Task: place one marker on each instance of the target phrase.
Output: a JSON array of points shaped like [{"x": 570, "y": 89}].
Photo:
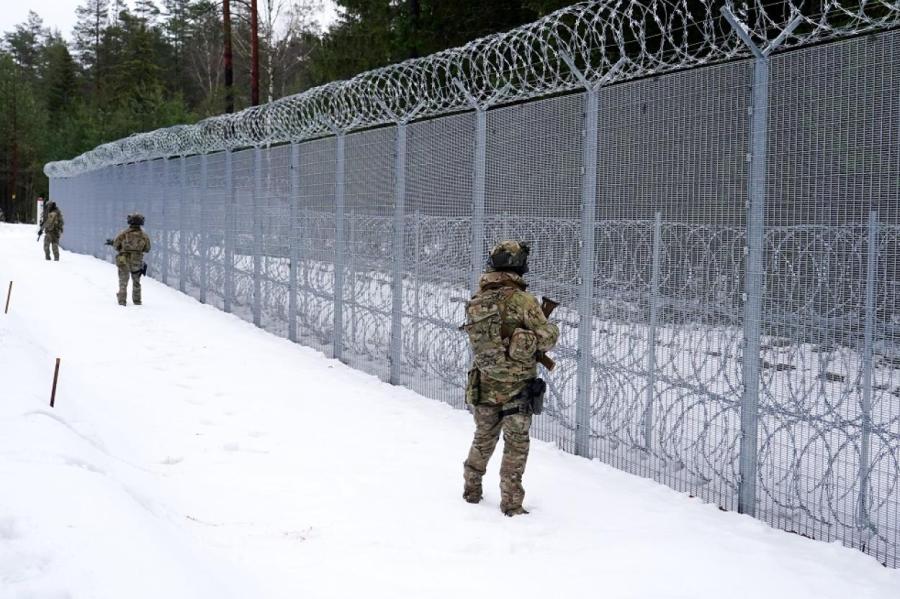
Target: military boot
[
  {"x": 472, "y": 489},
  {"x": 472, "y": 493},
  {"x": 120, "y": 297},
  {"x": 511, "y": 497}
]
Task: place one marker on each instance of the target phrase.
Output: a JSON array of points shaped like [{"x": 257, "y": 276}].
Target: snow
[{"x": 191, "y": 455}]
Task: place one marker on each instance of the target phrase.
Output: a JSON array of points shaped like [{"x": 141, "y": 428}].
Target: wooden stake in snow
[
  {"x": 55, "y": 378},
  {"x": 8, "y": 294}
]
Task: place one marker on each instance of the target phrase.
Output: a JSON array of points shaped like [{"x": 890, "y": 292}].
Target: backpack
[
  {"x": 133, "y": 242},
  {"x": 484, "y": 326}
]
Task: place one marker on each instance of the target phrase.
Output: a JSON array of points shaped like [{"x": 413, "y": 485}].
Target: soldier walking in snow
[
  {"x": 506, "y": 329},
  {"x": 52, "y": 228},
  {"x": 131, "y": 244}
]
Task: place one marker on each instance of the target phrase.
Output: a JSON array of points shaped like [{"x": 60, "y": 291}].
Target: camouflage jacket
[
  {"x": 524, "y": 330},
  {"x": 53, "y": 224},
  {"x": 131, "y": 243}
]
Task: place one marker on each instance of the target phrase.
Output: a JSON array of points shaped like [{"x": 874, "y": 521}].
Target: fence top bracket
[
  {"x": 401, "y": 120},
  {"x": 475, "y": 104},
  {"x": 591, "y": 87},
  {"x": 743, "y": 32}
]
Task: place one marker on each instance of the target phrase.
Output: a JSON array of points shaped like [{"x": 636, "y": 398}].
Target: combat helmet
[
  {"x": 510, "y": 255},
  {"x": 51, "y": 206},
  {"x": 136, "y": 219}
]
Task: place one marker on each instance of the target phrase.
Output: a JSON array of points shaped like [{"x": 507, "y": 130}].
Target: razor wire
[{"x": 608, "y": 40}]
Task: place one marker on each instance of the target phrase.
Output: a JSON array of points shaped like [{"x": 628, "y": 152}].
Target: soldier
[
  {"x": 52, "y": 227},
  {"x": 131, "y": 244},
  {"x": 506, "y": 329}
]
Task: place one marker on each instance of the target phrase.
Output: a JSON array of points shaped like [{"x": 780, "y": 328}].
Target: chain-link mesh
[{"x": 722, "y": 239}]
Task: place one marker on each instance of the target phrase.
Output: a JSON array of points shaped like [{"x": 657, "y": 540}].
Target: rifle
[
  {"x": 40, "y": 229},
  {"x": 547, "y": 307}
]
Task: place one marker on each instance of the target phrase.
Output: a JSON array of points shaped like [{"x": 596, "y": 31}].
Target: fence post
[
  {"x": 257, "y": 235},
  {"x": 416, "y": 274},
  {"x": 97, "y": 227},
  {"x": 303, "y": 309},
  {"x": 397, "y": 267},
  {"x": 479, "y": 166},
  {"x": 863, "y": 520},
  {"x": 478, "y": 184},
  {"x": 204, "y": 228},
  {"x": 754, "y": 275},
  {"x": 587, "y": 258},
  {"x": 339, "y": 249},
  {"x": 165, "y": 185},
  {"x": 184, "y": 238},
  {"x": 294, "y": 242},
  {"x": 228, "y": 266},
  {"x": 350, "y": 302},
  {"x": 586, "y": 276},
  {"x": 651, "y": 337}
]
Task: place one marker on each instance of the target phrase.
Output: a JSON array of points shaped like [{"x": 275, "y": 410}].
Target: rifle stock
[{"x": 547, "y": 307}]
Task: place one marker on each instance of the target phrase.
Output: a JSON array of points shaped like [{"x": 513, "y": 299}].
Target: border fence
[{"x": 712, "y": 193}]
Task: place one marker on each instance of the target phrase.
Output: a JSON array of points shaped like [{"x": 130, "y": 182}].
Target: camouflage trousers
[
  {"x": 488, "y": 425},
  {"x": 51, "y": 241},
  {"x": 124, "y": 272}
]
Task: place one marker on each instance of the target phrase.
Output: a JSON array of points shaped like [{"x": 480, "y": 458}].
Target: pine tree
[
  {"x": 60, "y": 78},
  {"x": 177, "y": 29},
  {"x": 92, "y": 21},
  {"x": 25, "y": 44}
]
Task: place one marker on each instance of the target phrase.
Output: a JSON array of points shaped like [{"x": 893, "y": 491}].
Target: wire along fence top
[{"x": 591, "y": 42}]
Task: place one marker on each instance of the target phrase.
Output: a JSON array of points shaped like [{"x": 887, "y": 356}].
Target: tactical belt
[{"x": 517, "y": 409}]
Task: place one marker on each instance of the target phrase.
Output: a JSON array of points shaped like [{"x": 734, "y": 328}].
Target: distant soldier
[
  {"x": 506, "y": 329},
  {"x": 52, "y": 228},
  {"x": 131, "y": 244}
]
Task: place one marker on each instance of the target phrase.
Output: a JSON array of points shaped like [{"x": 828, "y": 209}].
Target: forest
[{"x": 135, "y": 66}]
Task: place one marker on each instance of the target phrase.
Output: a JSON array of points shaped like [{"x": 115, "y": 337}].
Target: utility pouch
[
  {"x": 121, "y": 260},
  {"x": 522, "y": 345},
  {"x": 536, "y": 389},
  {"x": 473, "y": 387}
]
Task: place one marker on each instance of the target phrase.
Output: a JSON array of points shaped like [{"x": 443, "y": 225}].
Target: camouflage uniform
[
  {"x": 524, "y": 330},
  {"x": 53, "y": 228},
  {"x": 131, "y": 244}
]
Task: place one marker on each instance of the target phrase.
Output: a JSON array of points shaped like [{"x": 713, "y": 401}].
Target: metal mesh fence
[{"x": 722, "y": 240}]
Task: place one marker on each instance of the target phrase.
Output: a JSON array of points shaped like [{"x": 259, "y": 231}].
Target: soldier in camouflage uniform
[
  {"x": 52, "y": 227},
  {"x": 131, "y": 244},
  {"x": 506, "y": 328}
]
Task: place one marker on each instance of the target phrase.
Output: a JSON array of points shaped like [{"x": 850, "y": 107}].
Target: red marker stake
[{"x": 55, "y": 377}]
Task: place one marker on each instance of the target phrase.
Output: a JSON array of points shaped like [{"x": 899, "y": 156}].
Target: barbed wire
[{"x": 616, "y": 39}]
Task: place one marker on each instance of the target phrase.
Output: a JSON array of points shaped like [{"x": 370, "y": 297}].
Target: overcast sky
[{"x": 60, "y": 14}]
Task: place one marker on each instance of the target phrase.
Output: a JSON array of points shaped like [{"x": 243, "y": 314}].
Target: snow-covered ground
[{"x": 191, "y": 455}]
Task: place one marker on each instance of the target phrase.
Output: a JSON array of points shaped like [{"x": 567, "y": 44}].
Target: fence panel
[
  {"x": 828, "y": 442},
  {"x": 438, "y": 254}
]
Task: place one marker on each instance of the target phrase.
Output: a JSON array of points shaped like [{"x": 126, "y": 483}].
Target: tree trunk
[
  {"x": 229, "y": 63},
  {"x": 254, "y": 54}
]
